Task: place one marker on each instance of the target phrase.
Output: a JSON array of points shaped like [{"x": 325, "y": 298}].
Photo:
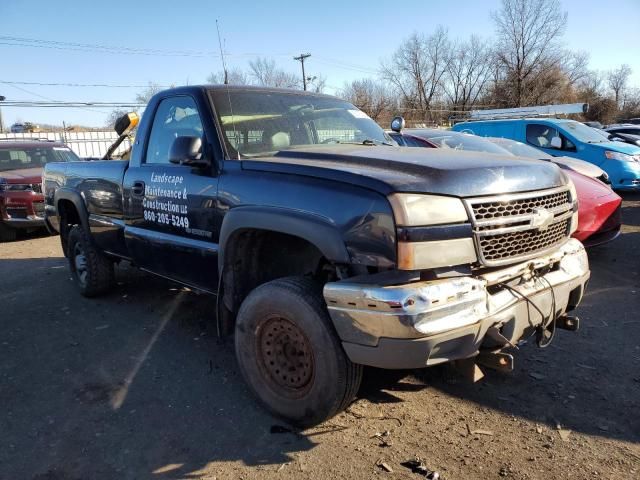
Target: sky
[{"x": 347, "y": 40}]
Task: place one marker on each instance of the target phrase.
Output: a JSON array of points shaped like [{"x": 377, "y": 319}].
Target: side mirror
[
  {"x": 126, "y": 123},
  {"x": 187, "y": 151},
  {"x": 397, "y": 124},
  {"x": 556, "y": 142}
]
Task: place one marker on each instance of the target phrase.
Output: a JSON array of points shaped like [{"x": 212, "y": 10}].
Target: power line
[
  {"x": 346, "y": 65},
  {"x": 114, "y": 49},
  {"x": 46, "y": 98},
  {"x": 54, "y": 84},
  {"x": 53, "y": 104}
]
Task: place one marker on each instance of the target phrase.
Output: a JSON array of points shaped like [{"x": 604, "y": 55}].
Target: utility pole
[
  {"x": 1, "y": 123},
  {"x": 301, "y": 59}
]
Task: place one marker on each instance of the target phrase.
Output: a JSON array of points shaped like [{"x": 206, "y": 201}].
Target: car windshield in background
[
  {"x": 261, "y": 123},
  {"x": 583, "y": 133},
  {"x": 460, "y": 141},
  {"x": 33, "y": 157},
  {"x": 520, "y": 149}
]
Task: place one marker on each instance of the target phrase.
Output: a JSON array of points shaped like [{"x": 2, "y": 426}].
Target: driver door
[{"x": 171, "y": 225}]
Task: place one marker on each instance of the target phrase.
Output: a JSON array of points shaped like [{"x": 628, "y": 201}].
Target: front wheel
[
  {"x": 290, "y": 355},
  {"x": 91, "y": 270}
]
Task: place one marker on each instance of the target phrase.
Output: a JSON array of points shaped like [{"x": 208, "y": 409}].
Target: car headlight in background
[
  {"x": 623, "y": 157},
  {"x": 415, "y": 210}
]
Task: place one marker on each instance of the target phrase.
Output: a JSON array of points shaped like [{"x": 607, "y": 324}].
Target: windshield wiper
[{"x": 368, "y": 141}]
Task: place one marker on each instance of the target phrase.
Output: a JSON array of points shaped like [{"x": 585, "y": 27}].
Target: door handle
[{"x": 138, "y": 188}]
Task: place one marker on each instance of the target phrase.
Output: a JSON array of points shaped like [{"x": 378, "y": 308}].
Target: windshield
[
  {"x": 583, "y": 133},
  {"x": 460, "y": 141},
  {"x": 520, "y": 149},
  {"x": 15, "y": 158},
  {"x": 264, "y": 122}
]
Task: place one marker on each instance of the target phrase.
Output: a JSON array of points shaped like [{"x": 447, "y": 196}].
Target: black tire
[
  {"x": 290, "y": 315},
  {"x": 7, "y": 234},
  {"x": 92, "y": 272}
]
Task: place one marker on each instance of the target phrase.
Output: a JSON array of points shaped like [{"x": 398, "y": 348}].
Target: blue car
[{"x": 560, "y": 137}]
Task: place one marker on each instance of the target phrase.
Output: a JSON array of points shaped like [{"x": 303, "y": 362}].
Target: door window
[
  {"x": 175, "y": 117},
  {"x": 540, "y": 135}
]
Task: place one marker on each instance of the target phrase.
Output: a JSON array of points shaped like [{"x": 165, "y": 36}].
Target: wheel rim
[
  {"x": 80, "y": 263},
  {"x": 286, "y": 356}
]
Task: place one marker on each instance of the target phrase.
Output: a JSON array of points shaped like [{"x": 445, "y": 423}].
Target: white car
[{"x": 580, "y": 166}]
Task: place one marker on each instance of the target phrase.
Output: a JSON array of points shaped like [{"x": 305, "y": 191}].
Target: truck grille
[
  {"x": 524, "y": 206},
  {"x": 510, "y": 228}
]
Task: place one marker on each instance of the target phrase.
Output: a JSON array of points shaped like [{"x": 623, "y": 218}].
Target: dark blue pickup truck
[{"x": 327, "y": 247}]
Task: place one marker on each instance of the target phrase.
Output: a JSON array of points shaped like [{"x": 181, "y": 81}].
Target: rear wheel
[
  {"x": 7, "y": 234},
  {"x": 91, "y": 270},
  {"x": 290, "y": 355}
]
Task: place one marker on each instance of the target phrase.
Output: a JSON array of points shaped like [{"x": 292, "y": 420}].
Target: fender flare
[
  {"x": 311, "y": 227},
  {"x": 75, "y": 198}
]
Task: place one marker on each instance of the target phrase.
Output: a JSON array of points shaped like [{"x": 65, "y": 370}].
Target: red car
[
  {"x": 21, "y": 200},
  {"x": 599, "y": 207}
]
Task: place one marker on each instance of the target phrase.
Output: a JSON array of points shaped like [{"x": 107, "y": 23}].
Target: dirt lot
[{"x": 136, "y": 385}]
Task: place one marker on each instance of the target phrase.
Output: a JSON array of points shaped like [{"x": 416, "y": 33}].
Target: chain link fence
[{"x": 86, "y": 144}]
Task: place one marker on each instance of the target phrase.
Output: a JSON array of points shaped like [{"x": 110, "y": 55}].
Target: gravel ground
[{"x": 136, "y": 385}]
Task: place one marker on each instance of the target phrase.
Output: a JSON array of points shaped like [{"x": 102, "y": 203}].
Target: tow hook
[
  {"x": 568, "y": 322},
  {"x": 496, "y": 360}
]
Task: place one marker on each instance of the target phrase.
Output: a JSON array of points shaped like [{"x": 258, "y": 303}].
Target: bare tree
[
  {"x": 591, "y": 84},
  {"x": 370, "y": 96},
  {"x": 468, "y": 73},
  {"x": 618, "y": 80},
  {"x": 631, "y": 104},
  {"x": 265, "y": 72},
  {"x": 145, "y": 95},
  {"x": 528, "y": 33},
  {"x": 575, "y": 66},
  {"x": 417, "y": 68},
  {"x": 235, "y": 76},
  {"x": 317, "y": 84}
]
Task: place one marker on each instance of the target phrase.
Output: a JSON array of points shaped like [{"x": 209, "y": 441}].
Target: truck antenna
[{"x": 226, "y": 82}]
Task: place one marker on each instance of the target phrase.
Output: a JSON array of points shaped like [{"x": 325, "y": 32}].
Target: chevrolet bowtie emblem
[{"x": 542, "y": 218}]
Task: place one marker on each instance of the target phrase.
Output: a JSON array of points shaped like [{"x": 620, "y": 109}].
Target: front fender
[{"x": 313, "y": 228}]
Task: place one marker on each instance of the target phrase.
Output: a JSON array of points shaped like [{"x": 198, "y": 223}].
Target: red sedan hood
[
  {"x": 23, "y": 175},
  {"x": 588, "y": 187}
]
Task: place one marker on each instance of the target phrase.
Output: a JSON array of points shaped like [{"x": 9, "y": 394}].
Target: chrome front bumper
[{"x": 428, "y": 322}]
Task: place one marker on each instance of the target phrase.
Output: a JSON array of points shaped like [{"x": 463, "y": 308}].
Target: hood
[
  {"x": 589, "y": 188},
  {"x": 580, "y": 166},
  {"x": 23, "y": 175},
  {"x": 420, "y": 170},
  {"x": 618, "y": 147}
]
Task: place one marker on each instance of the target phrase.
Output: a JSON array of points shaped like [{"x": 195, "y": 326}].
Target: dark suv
[{"x": 21, "y": 200}]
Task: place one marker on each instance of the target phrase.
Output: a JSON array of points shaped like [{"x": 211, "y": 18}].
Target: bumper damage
[{"x": 424, "y": 323}]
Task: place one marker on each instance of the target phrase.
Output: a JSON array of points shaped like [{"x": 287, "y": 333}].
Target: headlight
[
  {"x": 436, "y": 254},
  {"x": 415, "y": 210},
  {"x": 611, "y": 155}
]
